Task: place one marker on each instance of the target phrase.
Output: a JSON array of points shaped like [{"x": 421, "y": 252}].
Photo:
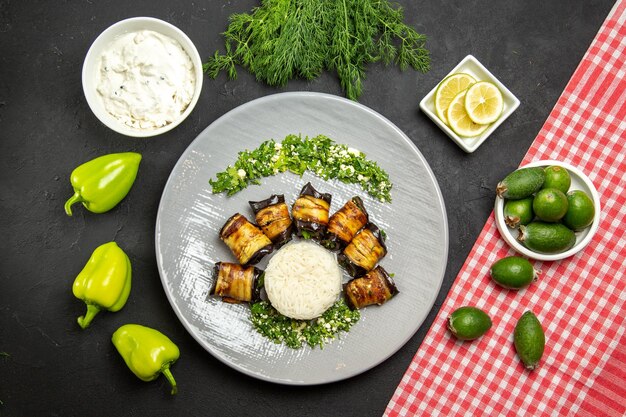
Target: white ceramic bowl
[
  {"x": 579, "y": 182},
  {"x": 473, "y": 67},
  {"x": 90, "y": 70}
]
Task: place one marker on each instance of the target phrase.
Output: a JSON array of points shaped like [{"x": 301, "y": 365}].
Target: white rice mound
[{"x": 302, "y": 280}]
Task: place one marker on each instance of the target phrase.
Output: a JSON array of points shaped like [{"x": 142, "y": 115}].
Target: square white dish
[{"x": 470, "y": 65}]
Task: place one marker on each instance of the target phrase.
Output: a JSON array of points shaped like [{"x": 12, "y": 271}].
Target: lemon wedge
[
  {"x": 448, "y": 89},
  {"x": 483, "y": 102},
  {"x": 459, "y": 120}
]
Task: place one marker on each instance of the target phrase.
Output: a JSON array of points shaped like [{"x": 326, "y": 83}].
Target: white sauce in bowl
[{"x": 145, "y": 79}]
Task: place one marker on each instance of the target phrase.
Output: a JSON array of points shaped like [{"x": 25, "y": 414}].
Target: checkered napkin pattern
[{"x": 581, "y": 300}]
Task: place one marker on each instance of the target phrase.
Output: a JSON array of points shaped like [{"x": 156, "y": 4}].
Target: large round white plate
[{"x": 190, "y": 217}]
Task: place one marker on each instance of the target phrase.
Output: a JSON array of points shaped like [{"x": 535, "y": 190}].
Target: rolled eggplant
[
  {"x": 247, "y": 242},
  {"x": 272, "y": 216},
  {"x": 364, "y": 251},
  {"x": 344, "y": 224},
  {"x": 310, "y": 213},
  {"x": 235, "y": 283},
  {"x": 375, "y": 287}
]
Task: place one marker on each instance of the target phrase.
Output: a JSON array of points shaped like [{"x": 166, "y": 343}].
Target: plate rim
[{"x": 304, "y": 95}]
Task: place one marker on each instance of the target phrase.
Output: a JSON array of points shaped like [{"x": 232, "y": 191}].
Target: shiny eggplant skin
[
  {"x": 344, "y": 224},
  {"x": 235, "y": 283},
  {"x": 272, "y": 216},
  {"x": 375, "y": 287},
  {"x": 310, "y": 213},
  {"x": 247, "y": 242},
  {"x": 364, "y": 251}
]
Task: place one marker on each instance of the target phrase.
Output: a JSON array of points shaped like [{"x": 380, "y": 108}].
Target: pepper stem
[
  {"x": 84, "y": 321},
  {"x": 168, "y": 374},
  {"x": 73, "y": 199}
]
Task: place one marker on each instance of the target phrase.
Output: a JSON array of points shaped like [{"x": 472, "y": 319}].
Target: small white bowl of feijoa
[{"x": 547, "y": 210}]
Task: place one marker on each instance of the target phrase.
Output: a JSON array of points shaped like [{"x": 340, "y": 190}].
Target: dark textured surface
[{"x": 46, "y": 129}]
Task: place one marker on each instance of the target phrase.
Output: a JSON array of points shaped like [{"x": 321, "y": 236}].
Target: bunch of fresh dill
[{"x": 286, "y": 39}]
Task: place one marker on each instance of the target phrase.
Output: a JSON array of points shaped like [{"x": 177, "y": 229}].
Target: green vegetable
[
  {"x": 294, "y": 333},
  {"x": 100, "y": 184},
  {"x": 286, "y": 39},
  {"x": 529, "y": 340},
  {"x": 104, "y": 282},
  {"x": 521, "y": 183},
  {"x": 147, "y": 352},
  {"x": 468, "y": 323},
  {"x": 320, "y": 155},
  {"x": 513, "y": 272}
]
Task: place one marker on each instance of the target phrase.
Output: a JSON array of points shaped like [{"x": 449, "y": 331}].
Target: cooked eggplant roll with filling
[
  {"x": 345, "y": 223},
  {"x": 364, "y": 251},
  {"x": 235, "y": 283},
  {"x": 247, "y": 242},
  {"x": 375, "y": 287},
  {"x": 272, "y": 216},
  {"x": 310, "y": 213}
]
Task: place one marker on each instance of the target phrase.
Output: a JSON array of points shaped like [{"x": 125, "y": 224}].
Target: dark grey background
[{"x": 46, "y": 129}]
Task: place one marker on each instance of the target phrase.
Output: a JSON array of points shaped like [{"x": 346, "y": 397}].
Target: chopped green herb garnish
[
  {"x": 320, "y": 155},
  {"x": 295, "y": 333}
]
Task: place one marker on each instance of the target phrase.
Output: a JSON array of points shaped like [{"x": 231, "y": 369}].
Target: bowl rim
[
  {"x": 91, "y": 59},
  {"x": 580, "y": 245},
  {"x": 460, "y": 141}
]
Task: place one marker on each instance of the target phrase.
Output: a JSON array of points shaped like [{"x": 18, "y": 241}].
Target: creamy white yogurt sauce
[{"x": 145, "y": 79}]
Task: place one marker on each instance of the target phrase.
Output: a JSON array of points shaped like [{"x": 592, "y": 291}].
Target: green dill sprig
[
  {"x": 320, "y": 155},
  {"x": 282, "y": 40}
]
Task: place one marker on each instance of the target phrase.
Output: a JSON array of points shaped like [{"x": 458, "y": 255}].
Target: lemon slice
[
  {"x": 448, "y": 89},
  {"x": 483, "y": 103},
  {"x": 459, "y": 121}
]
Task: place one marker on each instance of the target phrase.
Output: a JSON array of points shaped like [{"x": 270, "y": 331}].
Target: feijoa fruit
[
  {"x": 513, "y": 272},
  {"x": 521, "y": 183},
  {"x": 529, "y": 340},
  {"x": 550, "y": 205},
  {"x": 580, "y": 212},
  {"x": 557, "y": 177},
  {"x": 468, "y": 323},
  {"x": 517, "y": 212},
  {"x": 546, "y": 237}
]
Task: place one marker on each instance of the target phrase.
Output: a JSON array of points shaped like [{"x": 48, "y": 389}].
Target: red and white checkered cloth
[{"x": 581, "y": 300}]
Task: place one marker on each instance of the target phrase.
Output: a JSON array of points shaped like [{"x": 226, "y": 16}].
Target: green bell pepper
[
  {"x": 147, "y": 352},
  {"x": 100, "y": 184},
  {"x": 104, "y": 282}
]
